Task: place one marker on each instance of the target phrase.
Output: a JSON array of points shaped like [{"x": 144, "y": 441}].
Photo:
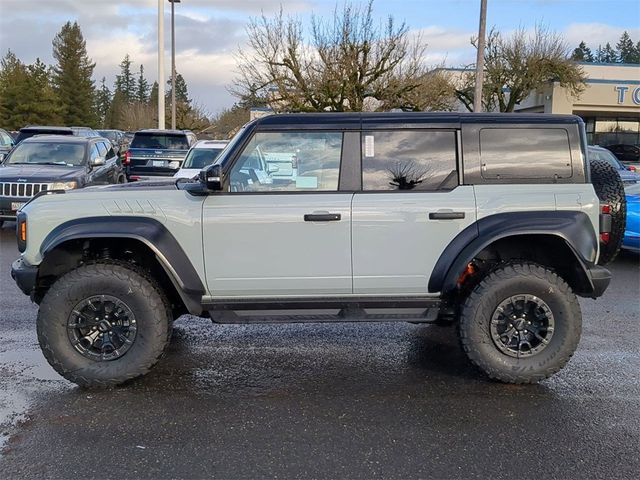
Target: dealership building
[{"x": 609, "y": 104}]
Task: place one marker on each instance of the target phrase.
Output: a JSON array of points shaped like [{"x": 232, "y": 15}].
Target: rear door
[
  {"x": 411, "y": 206},
  {"x": 270, "y": 236}
]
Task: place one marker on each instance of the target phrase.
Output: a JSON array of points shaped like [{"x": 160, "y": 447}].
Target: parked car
[
  {"x": 32, "y": 130},
  {"x": 117, "y": 139},
  {"x": 54, "y": 162},
  {"x": 157, "y": 153},
  {"x": 599, "y": 153},
  {"x": 6, "y": 143},
  {"x": 631, "y": 239},
  {"x": 487, "y": 220},
  {"x": 201, "y": 155},
  {"x": 627, "y": 154},
  {"x": 87, "y": 132}
]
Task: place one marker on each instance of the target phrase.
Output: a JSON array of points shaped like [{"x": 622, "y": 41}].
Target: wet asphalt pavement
[{"x": 388, "y": 400}]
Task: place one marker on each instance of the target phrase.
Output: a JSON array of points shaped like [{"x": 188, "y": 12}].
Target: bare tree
[
  {"x": 406, "y": 175},
  {"x": 351, "y": 63},
  {"x": 518, "y": 64}
]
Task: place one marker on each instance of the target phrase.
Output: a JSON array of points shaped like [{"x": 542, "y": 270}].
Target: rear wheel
[
  {"x": 103, "y": 324},
  {"x": 521, "y": 323},
  {"x": 610, "y": 190}
]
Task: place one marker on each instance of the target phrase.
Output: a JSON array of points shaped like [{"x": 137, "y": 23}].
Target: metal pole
[
  {"x": 477, "y": 97},
  {"x": 161, "y": 64},
  {"x": 173, "y": 67}
]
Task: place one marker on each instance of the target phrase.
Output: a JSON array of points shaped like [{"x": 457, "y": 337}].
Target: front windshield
[
  {"x": 111, "y": 135},
  {"x": 68, "y": 154},
  {"x": 201, "y": 157},
  {"x": 222, "y": 157}
]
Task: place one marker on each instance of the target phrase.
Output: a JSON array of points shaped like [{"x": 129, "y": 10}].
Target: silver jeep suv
[{"x": 491, "y": 221}]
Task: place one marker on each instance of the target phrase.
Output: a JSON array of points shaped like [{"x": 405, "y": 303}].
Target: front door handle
[
  {"x": 446, "y": 215},
  {"x": 322, "y": 217}
]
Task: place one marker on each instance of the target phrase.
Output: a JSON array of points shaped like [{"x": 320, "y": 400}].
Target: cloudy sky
[{"x": 209, "y": 32}]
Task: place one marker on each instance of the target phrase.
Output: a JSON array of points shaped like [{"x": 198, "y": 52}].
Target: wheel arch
[
  {"x": 117, "y": 233},
  {"x": 564, "y": 240}
]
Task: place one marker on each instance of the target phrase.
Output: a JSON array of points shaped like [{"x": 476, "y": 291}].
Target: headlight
[{"x": 64, "y": 185}]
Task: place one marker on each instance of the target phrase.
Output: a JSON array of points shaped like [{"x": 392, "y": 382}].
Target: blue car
[
  {"x": 632, "y": 233},
  {"x": 627, "y": 176}
]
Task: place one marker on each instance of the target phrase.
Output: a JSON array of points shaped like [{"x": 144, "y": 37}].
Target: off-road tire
[
  {"x": 501, "y": 283},
  {"x": 124, "y": 281},
  {"x": 610, "y": 189}
]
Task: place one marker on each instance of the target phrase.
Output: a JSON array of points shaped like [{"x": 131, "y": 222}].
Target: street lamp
[
  {"x": 173, "y": 62},
  {"x": 161, "y": 64}
]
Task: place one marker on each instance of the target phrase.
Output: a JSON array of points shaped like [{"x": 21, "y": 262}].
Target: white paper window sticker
[
  {"x": 369, "y": 148},
  {"x": 306, "y": 182}
]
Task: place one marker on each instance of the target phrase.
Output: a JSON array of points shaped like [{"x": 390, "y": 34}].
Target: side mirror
[
  {"x": 212, "y": 177},
  {"x": 96, "y": 162}
]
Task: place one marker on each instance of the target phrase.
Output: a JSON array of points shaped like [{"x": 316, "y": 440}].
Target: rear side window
[
  {"x": 160, "y": 141},
  {"x": 409, "y": 160},
  {"x": 525, "y": 153}
]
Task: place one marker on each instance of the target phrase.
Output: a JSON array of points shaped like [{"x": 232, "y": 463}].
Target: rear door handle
[
  {"x": 446, "y": 215},
  {"x": 322, "y": 217}
]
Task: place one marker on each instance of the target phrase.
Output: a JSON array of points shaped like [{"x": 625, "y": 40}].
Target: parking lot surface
[{"x": 386, "y": 400}]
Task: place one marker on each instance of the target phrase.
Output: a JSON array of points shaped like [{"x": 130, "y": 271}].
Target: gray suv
[{"x": 492, "y": 221}]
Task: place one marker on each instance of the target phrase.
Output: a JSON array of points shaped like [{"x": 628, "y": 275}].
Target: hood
[
  {"x": 39, "y": 173},
  {"x": 163, "y": 184}
]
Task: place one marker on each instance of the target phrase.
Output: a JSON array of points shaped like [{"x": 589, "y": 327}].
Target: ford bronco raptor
[{"x": 495, "y": 222}]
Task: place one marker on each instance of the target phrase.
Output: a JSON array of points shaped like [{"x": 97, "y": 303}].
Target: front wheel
[
  {"x": 103, "y": 324},
  {"x": 521, "y": 323}
]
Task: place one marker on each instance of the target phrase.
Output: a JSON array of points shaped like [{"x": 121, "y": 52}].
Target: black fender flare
[
  {"x": 149, "y": 231},
  {"x": 575, "y": 228}
]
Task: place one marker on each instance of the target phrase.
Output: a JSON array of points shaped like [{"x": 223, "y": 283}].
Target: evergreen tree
[
  {"x": 26, "y": 94},
  {"x": 125, "y": 82},
  {"x": 103, "y": 103},
  {"x": 72, "y": 76},
  {"x": 142, "y": 89},
  {"x": 609, "y": 54},
  {"x": 115, "y": 115},
  {"x": 182, "y": 93},
  {"x": 153, "y": 96},
  {"x": 626, "y": 49},
  {"x": 582, "y": 53}
]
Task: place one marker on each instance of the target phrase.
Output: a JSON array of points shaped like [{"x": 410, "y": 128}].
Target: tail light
[
  {"x": 632, "y": 168},
  {"x": 605, "y": 223},
  {"x": 127, "y": 158}
]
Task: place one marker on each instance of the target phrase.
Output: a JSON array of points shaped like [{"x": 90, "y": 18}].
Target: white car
[{"x": 202, "y": 154}]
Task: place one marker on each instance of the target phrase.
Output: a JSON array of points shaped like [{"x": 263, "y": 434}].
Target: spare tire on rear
[{"x": 610, "y": 190}]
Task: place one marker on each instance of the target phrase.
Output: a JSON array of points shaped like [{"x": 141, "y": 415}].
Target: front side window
[
  {"x": 288, "y": 162},
  {"x": 408, "y": 160}
]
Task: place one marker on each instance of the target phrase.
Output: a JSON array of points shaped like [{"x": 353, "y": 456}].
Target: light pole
[
  {"x": 161, "y": 64},
  {"x": 173, "y": 62},
  {"x": 477, "y": 97}
]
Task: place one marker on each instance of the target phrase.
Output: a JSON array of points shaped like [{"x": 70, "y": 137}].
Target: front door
[
  {"x": 410, "y": 208},
  {"x": 277, "y": 233}
]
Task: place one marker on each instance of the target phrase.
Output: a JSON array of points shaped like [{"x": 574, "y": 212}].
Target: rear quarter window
[{"x": 522, "y": 153}]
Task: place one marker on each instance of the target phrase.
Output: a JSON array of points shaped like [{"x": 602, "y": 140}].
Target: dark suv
[
  {"x": 157, "y": 153},
  {"x": 53, "y": 162}
]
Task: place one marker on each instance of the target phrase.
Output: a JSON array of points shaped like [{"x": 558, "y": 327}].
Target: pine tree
[
  {"x": 609, "y": 54},
  {"x": 153, "y": 96},
  {"x": 182, "y": 93},
  {"x": 103, "y": 103},
  {"x": 142, "y": 89},
  {"x": 72, "y": 76},
  {"x": 125, "y": 82},
  {"x": 582, "y": 53},
  {"x": 626, "y": 50},
  {"x": 26, "y": 94}
]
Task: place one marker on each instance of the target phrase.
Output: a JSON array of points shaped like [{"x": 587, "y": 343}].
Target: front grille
[{"x": 24, "y": 190}]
